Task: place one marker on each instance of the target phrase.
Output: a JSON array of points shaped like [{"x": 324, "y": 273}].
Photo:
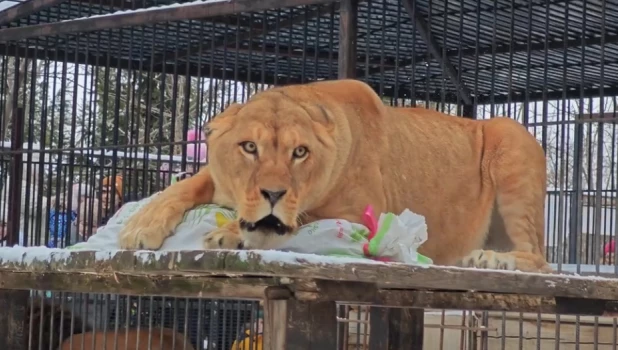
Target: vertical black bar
[
  {"x": 576, "y": 194},
  {"x": 469, "y": 111},
  {"x": 348, "y": 15},
  {"x": 16, "y": 170}
]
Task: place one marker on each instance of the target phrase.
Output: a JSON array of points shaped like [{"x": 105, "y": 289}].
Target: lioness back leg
[
  {"x": 517, "y": 166},
  {"x": 151, "y": 225}
]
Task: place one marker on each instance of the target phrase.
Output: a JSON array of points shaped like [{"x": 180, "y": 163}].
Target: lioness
[
  {"x": 295, "y": 154},
  {"x": 137, "y": 339}
]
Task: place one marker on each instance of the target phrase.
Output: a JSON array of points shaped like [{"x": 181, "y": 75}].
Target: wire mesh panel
[
  {"x": 95, "y": 321},
  {"x": 112, "y": 114}
]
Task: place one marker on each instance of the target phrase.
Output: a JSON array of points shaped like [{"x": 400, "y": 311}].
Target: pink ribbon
[{"x": 371, "y": 222}]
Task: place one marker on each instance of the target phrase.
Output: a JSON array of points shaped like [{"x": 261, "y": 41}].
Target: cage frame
[
  {"x": 295, "y": 295},
  {"x": 298, "y": 291}
]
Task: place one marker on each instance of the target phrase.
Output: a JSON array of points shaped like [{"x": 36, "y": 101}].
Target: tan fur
[
  {"x": 479, "y": 184},
  {"x": 129, "y": 341}
]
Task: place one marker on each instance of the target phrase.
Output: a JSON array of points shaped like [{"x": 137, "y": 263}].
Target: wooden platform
[
  {"x": 247, "y": 274},
  {"x": 300, "y": 288}
]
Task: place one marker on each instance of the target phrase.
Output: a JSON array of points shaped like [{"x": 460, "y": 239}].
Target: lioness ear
[{"x": 219, "y": 120}]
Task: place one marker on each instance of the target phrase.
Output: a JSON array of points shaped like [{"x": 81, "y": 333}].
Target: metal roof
[
  {"x": 5, "y": 4},
  {"x": 545, "y": 48}
]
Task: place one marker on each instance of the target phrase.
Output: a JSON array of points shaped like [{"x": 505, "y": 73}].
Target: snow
[
  {"x": 27, "y": 255},
  {"x": 292, "y": 258},
  {"x": 18, "y": 254},
  {"x": 153, "y": 8}
]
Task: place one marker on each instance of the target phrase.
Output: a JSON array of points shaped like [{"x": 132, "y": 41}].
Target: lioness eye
[
  {"x": 249, "y": 147},
  {"x": 300, "y": 152}
]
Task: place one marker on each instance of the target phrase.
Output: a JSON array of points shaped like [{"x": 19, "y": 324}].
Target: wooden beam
[
  {"x": 13, "y": 324},
  {"x": 24, "y": 9},
  {"x": 275, "y": 328},
  {"x": 145, "y": 285},
  {"x": 173, "y": 12},
  {"x": 348, "y": 21},
  {"x": 296, "y": 324},
  {"x": 436, "y": 51},
  {"x": 249, "y": 263},
  {"x": 312, "y": 325},
  {"x": 495, "y": 302},
  {"x": 394, "y": 329},
  {"x": 367, "y": 294},
  {"x": 230, "y": 40},
  {"x": 205, "y": 286}
]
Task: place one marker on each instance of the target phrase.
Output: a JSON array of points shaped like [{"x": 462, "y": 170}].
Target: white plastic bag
[{"x": 396, "y": 237}]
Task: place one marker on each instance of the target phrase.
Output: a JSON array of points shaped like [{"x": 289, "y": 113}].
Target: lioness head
[{"x": 271, "y": 159}]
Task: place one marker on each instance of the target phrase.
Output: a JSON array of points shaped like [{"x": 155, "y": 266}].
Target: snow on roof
[{"x": 149, "y": 9}]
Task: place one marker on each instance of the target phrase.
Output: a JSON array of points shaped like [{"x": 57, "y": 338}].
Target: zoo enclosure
[{"x": 138, "y": 81}]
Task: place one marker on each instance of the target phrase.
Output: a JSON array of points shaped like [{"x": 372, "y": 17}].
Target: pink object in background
[
  {"x": 196, "y": 151},
  {"x": 610, "y": 247}
]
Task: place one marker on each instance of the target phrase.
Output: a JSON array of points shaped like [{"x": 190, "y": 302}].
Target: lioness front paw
[
  {"x": 224, "y": 238},
  {"x": 149, "y": 227},
  {"x": 489, "y": 259}
]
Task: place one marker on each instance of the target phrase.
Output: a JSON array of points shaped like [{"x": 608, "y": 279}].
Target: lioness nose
[{"x": 272, "y": 196}]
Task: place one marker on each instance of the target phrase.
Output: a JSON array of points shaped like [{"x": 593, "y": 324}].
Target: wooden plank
[
  {"x": 296, "y": 324},
  {"x": 312, "y": 325},
  {"x": 496, "y": 302},
  {"x": 275, "y": 328},
  {"x": 348, "y": 20},
  {"x": 207, "y": 286},
  {"x": 146, "y": 285},
  {"x": 13, "y": 325},
  {"x": 292, "y": 265},
  {"x": 174, "y": 12},
  {"x": 378, "y": 323},
  {"x": 394, "y": 329}
]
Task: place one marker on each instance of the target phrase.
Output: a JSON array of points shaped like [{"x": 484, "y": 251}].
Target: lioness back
[{"x": 448, "y": 169}]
